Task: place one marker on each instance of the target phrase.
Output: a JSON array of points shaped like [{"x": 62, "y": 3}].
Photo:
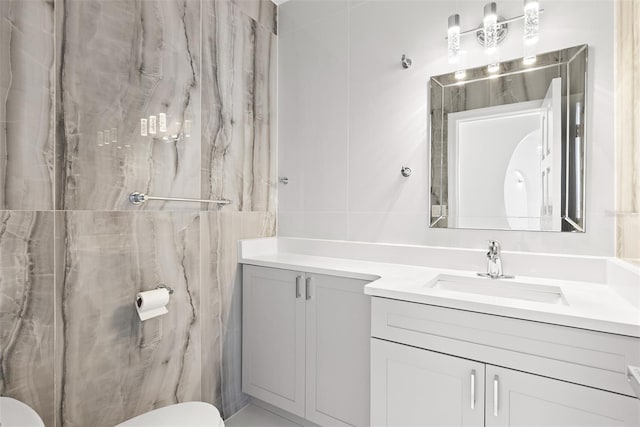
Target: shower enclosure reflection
[{"x": 506, "y": 151}]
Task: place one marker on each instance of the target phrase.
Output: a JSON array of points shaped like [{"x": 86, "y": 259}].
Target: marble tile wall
[
  {"x": 114, "y": 366},
  {"x": 260, "y": 11},
  {"x": 122, "y": 62},
  {"x": 74, "y": 252},
  {"x": 26, "y": 309},
  {"x": 222, "y": 296},
  {"x": 238, "y": 159},
  {"x": 27, "y": 77},
  {"x": 628, "y": 129}
]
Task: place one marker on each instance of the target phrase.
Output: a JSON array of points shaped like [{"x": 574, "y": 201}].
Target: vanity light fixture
[
  {"x": 494, "y": 29},
  {"x": 490, "y": 23},
  {"x": 531, "y": 22},
  {"x": 453, "y": 38}
]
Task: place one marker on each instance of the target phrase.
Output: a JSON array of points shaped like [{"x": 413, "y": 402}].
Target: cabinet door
[
  {"x": 519, "y": 399},
  {"x": 273, "y": 341},
  {"x": 338, "y": 335},
  {"x": 415, "y": 387}
]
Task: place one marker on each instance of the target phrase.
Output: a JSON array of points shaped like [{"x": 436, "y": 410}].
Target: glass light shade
[
  {"x": 453, "y": 38},
  {"x": 531, "y": 21},
  {"x": 490, "y": 28},
  {"x": 460, "y": 74}
]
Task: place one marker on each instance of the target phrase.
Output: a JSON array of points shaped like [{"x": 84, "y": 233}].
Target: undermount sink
[{"x": 504, "y": 288}]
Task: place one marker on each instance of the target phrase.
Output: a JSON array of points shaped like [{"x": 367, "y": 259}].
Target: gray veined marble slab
[
  {"x": 129, "y": 100},
  {"x": 221, "y": 305},
  {"x": 113, "y": 366},
  {"x": 238, "y": 139},
  {"x": 262, "y": 11},
  {"x": 27, "y": 310},
  {"x": 26, "y": 104},
  {"x": 628, "y": 130}
]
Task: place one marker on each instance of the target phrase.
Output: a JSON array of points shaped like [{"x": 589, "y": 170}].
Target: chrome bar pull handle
[
  {"x": 298, "y": 286},
  {"x": 308, "y": 287},
  {"x": 473, "y": 389},
  {"x": 496, "y": 395}
]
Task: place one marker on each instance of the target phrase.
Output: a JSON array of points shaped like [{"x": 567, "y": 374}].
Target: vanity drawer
[{"x": 580, "y": 356}]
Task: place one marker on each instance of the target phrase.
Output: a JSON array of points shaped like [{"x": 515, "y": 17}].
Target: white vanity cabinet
[
  {"x": 526, "y": 373},
  {"x": 273, "y": 337},
  {"x": 415, "y": 387},
  {"x": 306, "y": 344},
  {"x": 521, "y": 399}
]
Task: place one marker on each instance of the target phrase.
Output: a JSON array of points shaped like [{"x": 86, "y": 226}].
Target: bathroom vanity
[
  {"x": 475, "y": 369},
  {"x": 439, "y": 345},
  {"x": 306, "y": 344}
]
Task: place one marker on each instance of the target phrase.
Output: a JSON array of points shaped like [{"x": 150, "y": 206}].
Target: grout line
[
  {"x": 200, "y": 216},
  {"x": 277, "y": 125},
  {"x": 54, "y": 200},
  {"x": 348, "y": 201}
]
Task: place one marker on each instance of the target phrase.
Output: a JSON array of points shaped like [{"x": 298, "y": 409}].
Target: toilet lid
[
  {"x": 187, "y": 414},
  {"x": 14, "y": 413}
]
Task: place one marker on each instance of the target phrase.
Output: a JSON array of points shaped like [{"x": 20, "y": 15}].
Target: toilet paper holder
[
  {"x": 153, "y": 303},
  {"x": 161, "y": 286}
]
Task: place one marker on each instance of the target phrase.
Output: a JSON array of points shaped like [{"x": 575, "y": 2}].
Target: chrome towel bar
[{"x": 139, "y": 198}]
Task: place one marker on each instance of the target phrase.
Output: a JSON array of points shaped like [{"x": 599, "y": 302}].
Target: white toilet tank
[
  {"x": 14, "y": 413},
  {"x": 187, "y": 414}
]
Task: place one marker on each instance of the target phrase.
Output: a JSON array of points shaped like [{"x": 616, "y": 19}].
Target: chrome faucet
[{"x": 494, "y": 263}]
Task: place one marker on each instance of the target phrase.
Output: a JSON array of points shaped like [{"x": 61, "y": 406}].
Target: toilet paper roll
[{"x": 152, "y": 303}]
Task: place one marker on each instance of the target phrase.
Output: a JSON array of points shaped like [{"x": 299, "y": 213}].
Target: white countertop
[{"x": 592, "y": 306}]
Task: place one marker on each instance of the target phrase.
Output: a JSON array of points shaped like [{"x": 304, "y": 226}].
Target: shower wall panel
[
  {"x": 27, "y": 80},
  {"x": 114, "y": 366},
  {"x": 239, "y": 92},
  {"x": 166, "y": 97},
  {"x": 129, "y": 102},
  {"x": 26, "y": 309}
]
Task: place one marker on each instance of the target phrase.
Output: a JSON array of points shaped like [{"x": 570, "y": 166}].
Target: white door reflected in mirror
[{"x": 503, "y": 167}]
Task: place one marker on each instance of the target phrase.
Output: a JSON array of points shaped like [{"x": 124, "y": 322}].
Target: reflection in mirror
[{"x": 507, "y": 149}]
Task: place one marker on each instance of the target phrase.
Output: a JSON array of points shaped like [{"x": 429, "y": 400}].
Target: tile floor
[{"x": 255, "y": 416}]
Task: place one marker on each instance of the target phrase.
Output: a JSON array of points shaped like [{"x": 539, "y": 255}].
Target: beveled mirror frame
[{"x": 447, "y": 93}]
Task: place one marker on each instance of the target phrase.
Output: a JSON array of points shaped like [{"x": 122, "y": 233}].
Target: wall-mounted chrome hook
[
  {"x": 283, "y": 180},
  {"x": 406, "y": 62},
  {"x": 405, "y": 171}
]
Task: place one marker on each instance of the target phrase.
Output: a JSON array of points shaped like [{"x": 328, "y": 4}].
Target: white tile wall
[
  {"x": 313, "y": 96},
  {"x": 350, "y": 117},
  {"x": 314, "y": 225}
]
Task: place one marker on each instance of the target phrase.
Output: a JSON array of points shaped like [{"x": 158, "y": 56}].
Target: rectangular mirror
[{"x": 507, "y": 148}]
